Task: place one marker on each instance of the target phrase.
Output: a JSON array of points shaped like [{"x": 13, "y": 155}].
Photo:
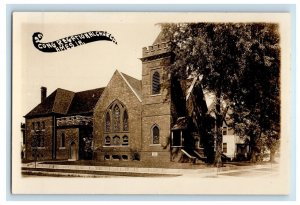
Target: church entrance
[{"x": 73, "y": 151}]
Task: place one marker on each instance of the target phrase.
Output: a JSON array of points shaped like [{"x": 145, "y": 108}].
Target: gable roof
[
  {"x": 134, "y": 84},
  {"x": 66, "y": 102},
  {"x": 62, "y": 101},
  {"x": 85, "y": 101},
  {"x": 189, "y": 91},
  {"x": 44, "y": 107}
]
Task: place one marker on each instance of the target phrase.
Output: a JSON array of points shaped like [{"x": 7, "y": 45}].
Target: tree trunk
[
  {"x": 253, "y": 156},
  {"x": 219, "y": 137},
  {"x": 254, "y": 149},
  {"x": 272, "y": 155}
]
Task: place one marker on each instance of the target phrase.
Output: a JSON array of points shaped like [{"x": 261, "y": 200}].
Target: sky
[
  {"x": 85, "y": 67},
  {"x": 91, "y": 65}
]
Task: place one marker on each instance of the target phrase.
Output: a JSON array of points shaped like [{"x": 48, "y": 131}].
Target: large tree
[
  {"x": 239, "y": 66},
  {"x": 257, "y": 102}
]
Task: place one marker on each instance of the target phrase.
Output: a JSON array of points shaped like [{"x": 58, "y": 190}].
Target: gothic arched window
[
  {"x": 155, "y": 83},
  {"x": 116, "y": 123},
  {"x": 155, "y": 135},
  {"x": 107, "y": 122},
  {"x": 116, "y": 116},
  {"x": 125, "y": 121}
]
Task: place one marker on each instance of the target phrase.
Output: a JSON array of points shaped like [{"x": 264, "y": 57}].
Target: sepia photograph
[{"x": 151, "y": 103}]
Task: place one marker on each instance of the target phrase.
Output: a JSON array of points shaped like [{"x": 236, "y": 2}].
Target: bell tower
[{"x": 156, "y": 104}]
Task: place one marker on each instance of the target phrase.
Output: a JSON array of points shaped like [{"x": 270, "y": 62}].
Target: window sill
[
  {"x": 62, "y": 148},
  {"x": 155, "y": 145},
  {"x": 117, "y": 132},
  {"x": 115, "y": 145},
  {"x": 40, "y": 130},
  {"x": 38, "y": 147},
  {"x": 153, "y": 95}
]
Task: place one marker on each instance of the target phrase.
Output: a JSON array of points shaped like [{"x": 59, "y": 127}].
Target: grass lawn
[{"x": 172, "y": 165}]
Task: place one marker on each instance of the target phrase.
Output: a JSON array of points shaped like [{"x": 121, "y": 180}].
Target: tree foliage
[{"x": 239, "y": 63}]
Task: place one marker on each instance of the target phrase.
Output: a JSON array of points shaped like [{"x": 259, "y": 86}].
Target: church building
[{"x": 129, "y": 119}]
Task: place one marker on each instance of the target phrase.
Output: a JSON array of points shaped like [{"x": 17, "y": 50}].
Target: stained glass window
[
  {"x": 116, "y": 118},
  {"x": 125, "y": 121},
  {"x": 116, "y": 121}
]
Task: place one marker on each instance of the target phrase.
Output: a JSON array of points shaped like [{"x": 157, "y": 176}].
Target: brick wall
[
  {"x": 156, "y": 111},
  {"x": 44, "y": 152},
  {"x": 117, "y": 89},
  {"x": 71, "y": 135}
]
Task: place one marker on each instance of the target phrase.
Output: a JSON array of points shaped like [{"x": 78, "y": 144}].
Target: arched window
[
  {"x": 107, "y": 141},
  {"x": 63, "y": 140},
  {"x": 125, "y": 141},
  {"x": 116, "y": 116},
  {"x": 116, "y": 140},
  {"x": 125, "y": 121},
  {"x": 155, "y": 83},
  {"x": 116, "y": 121},
  {"x": 155, "y": 135},
  {"x": 107, "y": 122}
]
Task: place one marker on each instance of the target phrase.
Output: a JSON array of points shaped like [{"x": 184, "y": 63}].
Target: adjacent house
[{"x": 61, "y": 125}]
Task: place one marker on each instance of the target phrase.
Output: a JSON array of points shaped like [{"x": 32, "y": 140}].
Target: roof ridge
[
  {"x": 64, "y": 90},
  {"x": 84, "y": 101},
  {"x": 90, "y": 90},
  {"x": 129, "y": 76}
]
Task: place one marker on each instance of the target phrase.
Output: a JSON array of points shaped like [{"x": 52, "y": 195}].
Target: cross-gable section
[{"x": 134, "y": 84}]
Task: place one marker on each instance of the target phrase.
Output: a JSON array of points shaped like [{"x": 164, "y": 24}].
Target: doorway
[{"x": 73, "y": 151}]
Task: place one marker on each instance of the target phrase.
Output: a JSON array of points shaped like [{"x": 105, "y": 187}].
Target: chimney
[{"x": 43, "y": 93}]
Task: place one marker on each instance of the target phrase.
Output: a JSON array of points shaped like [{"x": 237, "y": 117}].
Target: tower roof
[{"x": 160, "y": 38}]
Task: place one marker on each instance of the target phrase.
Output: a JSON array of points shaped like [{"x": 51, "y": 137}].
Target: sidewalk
[{"x": 94, "y": 171}]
